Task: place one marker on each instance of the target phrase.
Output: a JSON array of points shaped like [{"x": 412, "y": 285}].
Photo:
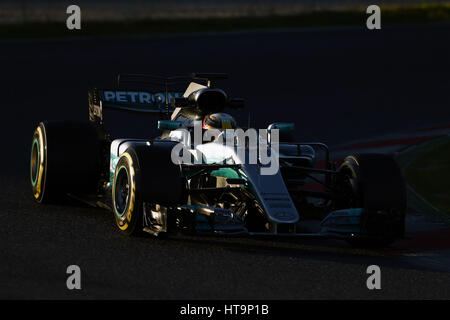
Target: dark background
[{"x": 336, "y": 85}]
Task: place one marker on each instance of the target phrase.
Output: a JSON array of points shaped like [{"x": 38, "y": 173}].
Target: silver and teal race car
[{"x": 188, "y": 179}]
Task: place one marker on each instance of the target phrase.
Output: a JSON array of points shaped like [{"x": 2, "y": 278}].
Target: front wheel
[
  {"x": 145, "y": 174},
  {"x": 126, "y": 195},
  {"x": 377, "y": 185}
]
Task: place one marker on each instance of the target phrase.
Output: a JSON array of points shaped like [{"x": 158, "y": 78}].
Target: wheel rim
[
  {"x": 122, "y": 191},
  {"x": 34, "y": 164}
]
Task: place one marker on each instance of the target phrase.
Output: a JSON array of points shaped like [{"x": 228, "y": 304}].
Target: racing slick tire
[
  {"x": 65, "y": 158},
  {"x": 379, "y": 188},
  {"x": 144, "y": 174}
]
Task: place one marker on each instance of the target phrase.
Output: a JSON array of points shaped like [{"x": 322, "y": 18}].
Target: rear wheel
[
  {"x": 65, "y": 158},
  {"x": 376, "y": 184}
]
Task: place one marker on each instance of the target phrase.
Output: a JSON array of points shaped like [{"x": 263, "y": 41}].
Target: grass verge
[
  {"x": 391, "y": 15},
  {"x": 427, "y": 171},
  {"x": 429, "y": 175}
]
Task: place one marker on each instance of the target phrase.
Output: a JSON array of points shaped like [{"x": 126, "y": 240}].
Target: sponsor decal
[{"x": 138, "y": 98}]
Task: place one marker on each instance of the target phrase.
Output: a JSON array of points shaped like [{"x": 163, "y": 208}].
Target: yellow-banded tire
[
  {"x": 38, "y": 164},
  {"x": 126, "y": 195},
  {"x": 65, "y": 158}
]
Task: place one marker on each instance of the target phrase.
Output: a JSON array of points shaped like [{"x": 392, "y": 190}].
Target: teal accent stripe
[{"x": 34, "y": 180}]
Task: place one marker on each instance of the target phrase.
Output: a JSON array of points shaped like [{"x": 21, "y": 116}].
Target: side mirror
[
  {"x": 285, "y": 131},
  {"x": 281, "y": 126},
  {"x": 169, "y": 125}
]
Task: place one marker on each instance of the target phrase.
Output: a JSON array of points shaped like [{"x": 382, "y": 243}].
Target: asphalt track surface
[{"x": 336, "y": 85}]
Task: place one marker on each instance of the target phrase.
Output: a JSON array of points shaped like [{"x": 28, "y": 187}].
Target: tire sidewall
[
  {"x": 128, "y": 220},
  {"x": 38, "y": 185}
]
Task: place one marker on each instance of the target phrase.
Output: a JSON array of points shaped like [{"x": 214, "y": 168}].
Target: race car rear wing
[{"x": 157, "y": 102}]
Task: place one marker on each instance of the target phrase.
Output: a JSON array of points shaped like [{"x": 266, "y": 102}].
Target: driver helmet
[{"x": 219, "y": 121}]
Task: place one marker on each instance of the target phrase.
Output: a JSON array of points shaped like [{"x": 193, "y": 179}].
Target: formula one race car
[{"x": 189, "y": 180}]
